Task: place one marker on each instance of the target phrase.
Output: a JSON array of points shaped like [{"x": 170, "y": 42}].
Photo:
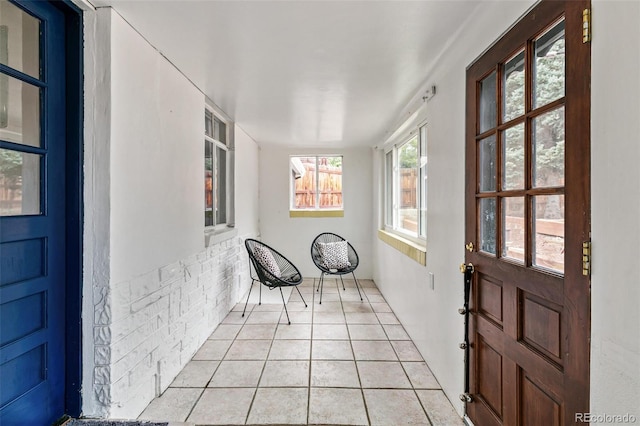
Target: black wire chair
[
  {"x": 319, "y": 261},
  {"x": 273, "y": 270}
]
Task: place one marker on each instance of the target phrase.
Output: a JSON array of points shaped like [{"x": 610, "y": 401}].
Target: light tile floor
[{"x": 342, "y": 362}]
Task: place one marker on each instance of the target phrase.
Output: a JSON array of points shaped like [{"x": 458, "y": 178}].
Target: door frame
[{"x": 74, "y": 203}]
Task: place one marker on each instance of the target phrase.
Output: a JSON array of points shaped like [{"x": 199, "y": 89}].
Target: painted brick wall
[{"x": 146, "y": 329}]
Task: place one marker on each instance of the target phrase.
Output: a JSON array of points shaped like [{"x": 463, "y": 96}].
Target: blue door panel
[{"x": 32, "y": 253}]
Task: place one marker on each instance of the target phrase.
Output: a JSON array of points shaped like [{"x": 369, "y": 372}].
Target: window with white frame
[
  {"x": 216, "y": 160},
  {"x": 316, "y": 182},
  {"x": 406, "y": 186}
]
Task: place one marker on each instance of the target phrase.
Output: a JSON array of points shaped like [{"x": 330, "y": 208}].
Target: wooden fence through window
[{"x": 329, "y": 186}]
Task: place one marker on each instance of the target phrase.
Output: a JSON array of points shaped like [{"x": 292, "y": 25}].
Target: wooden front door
[
  {"x": 527, "y": 215},
  {"x": 32, "y": 213}
]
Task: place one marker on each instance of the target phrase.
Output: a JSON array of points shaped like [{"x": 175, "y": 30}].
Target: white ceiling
[{"x": 303, "y": 73}]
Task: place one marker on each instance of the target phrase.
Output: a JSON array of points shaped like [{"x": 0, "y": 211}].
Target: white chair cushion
[
  {"x": 334, "y": 255},
  {"x": 266, "y": 259}
]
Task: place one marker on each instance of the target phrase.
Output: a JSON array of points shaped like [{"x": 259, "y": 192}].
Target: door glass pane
[
  {"x": 548, "y": 149},
  {"x": 388, "y": 165},
  {"x": 330, "y": 182},
  {"x": 221, "y": 186},
  {"x": 487, "y": 225},
  {"x": 548, "y": 66},
  {"x": 208, "y": 184},
  {"x": 219, "y": 130},
  {"x": 208, "y": 123},
  {"x": 513, "y": 158},
  {"x": 548, "y": 232},
  {"x": 513, "y": 80},
  {"x": 408, "y": 186},
  {"x": 19, "y": 111},
  {"x": 513, "y": 232},
  {"x": 487, "y": 166},
  {"x": 19, "y": 183},
  {"x": 19, "y": 39},
  {"x": 488, "y": 105},
  {"x": 423, "y": 181}
]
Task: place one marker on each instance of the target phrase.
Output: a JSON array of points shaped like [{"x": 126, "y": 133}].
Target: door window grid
[
  {"x": 528, "y": 149},
  {"x": 22, "y": 98}
]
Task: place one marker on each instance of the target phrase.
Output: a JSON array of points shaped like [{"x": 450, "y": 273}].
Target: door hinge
[
  {"x": 586, "y": 25},
  {"x": 586, "y": 258}
]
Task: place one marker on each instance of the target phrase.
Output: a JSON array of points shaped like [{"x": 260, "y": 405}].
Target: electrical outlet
[{"x": 432, "y": 283}]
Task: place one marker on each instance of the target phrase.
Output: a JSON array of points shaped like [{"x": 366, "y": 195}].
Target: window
[
  {"x": 406, "y": 186},
  {"x": 216, "y": 159},
  {"x": 316, "y": 183}
]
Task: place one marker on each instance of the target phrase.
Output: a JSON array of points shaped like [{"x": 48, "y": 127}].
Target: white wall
[
  {"x": 430, "y": 316},
  {"x": 246, "y": 182},
  {"x": 293, "y": 236},
  {"x": 615, "y": 179},
  {"x": 153, "y": 292}
]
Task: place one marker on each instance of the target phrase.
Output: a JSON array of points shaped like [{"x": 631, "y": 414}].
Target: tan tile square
[
  {"x": 235, "y": 317},
  {"x": 334, "y": 374},
  {"x": 382, "y": 374},
  {"x": 237, "y": 374},
  {"x": 279, "y": 406},
  {"x": 367, "y": 332},
  {"x": 298, "y": 306},
  {"x": 174, "y": 405},
  {"x": 406, "y": 350},
  {"x": 337, "y": 406},
  {"x": 380, "y": 307},
  {"x": 394, "y": 407},
  {"x": 248, "y": 350},
  {"x": 268, "y": 307},
  {"x": 297, "y": 317},
  {"x": 420, "y": 375},
  {"x": 264, "y": 317},
  {"x": 196, "y": 374},
  {"x": 361, "y": 318},
  {"x": 395, "y": 332},
  {"x": 376, "y": 298},
  {"x": 352, "y": 295},
  {"x": 326, "y": 306},
  {"x": 226, "y": 332},
  {"x": 212, "y": 350},
  {"x": 373, "y": 350},
  {"x": 330, "y": 332},
  {"x": 257, "y": 331},
  {"x": 328, "y": 318},
  {"x": 290, "y": 349},
  {"x": 387, "y": 318},
  {"x": 293, "y": 331},
  {"x": 285, "y": 374},
  {"x": 441, "y": 412},
  {"x": 332, "y": 349},
  {"x": 361, "y": 307},
  {"x": 222, "y": 406},
  {"x": 328, "y": 297}
]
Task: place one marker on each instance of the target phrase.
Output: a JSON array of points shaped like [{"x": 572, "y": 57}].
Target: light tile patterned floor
[{"x": 342, "y": 362}]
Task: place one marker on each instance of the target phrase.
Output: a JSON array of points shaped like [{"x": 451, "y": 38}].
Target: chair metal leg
[
  {"x": 357, "y": 286},
  {"x": 318, "y": 289},
  {"x": 248, "y": 295},
  {"x": 321, "y": 286},
  {"x": 305, "y": 303},
  {"x": 342, "y": 283},
  {"x": 285, "y": 305}
]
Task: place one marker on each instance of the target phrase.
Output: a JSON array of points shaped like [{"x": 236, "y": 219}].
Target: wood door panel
[
  {"x": 489, "y": 382},
  {"x": 541, "y": 326},
  {"x": 538, "y": 407},
  {"x": 490, "y": 298}
]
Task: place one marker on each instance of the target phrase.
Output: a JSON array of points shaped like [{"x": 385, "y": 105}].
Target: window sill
[
  {"x": 316, "y": 213},
  {"x": 407, "y": 247},
  {"x": 214, "y": 236}
]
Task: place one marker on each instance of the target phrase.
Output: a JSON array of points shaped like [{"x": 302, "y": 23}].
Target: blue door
[{"x": 32, "y": 213}]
